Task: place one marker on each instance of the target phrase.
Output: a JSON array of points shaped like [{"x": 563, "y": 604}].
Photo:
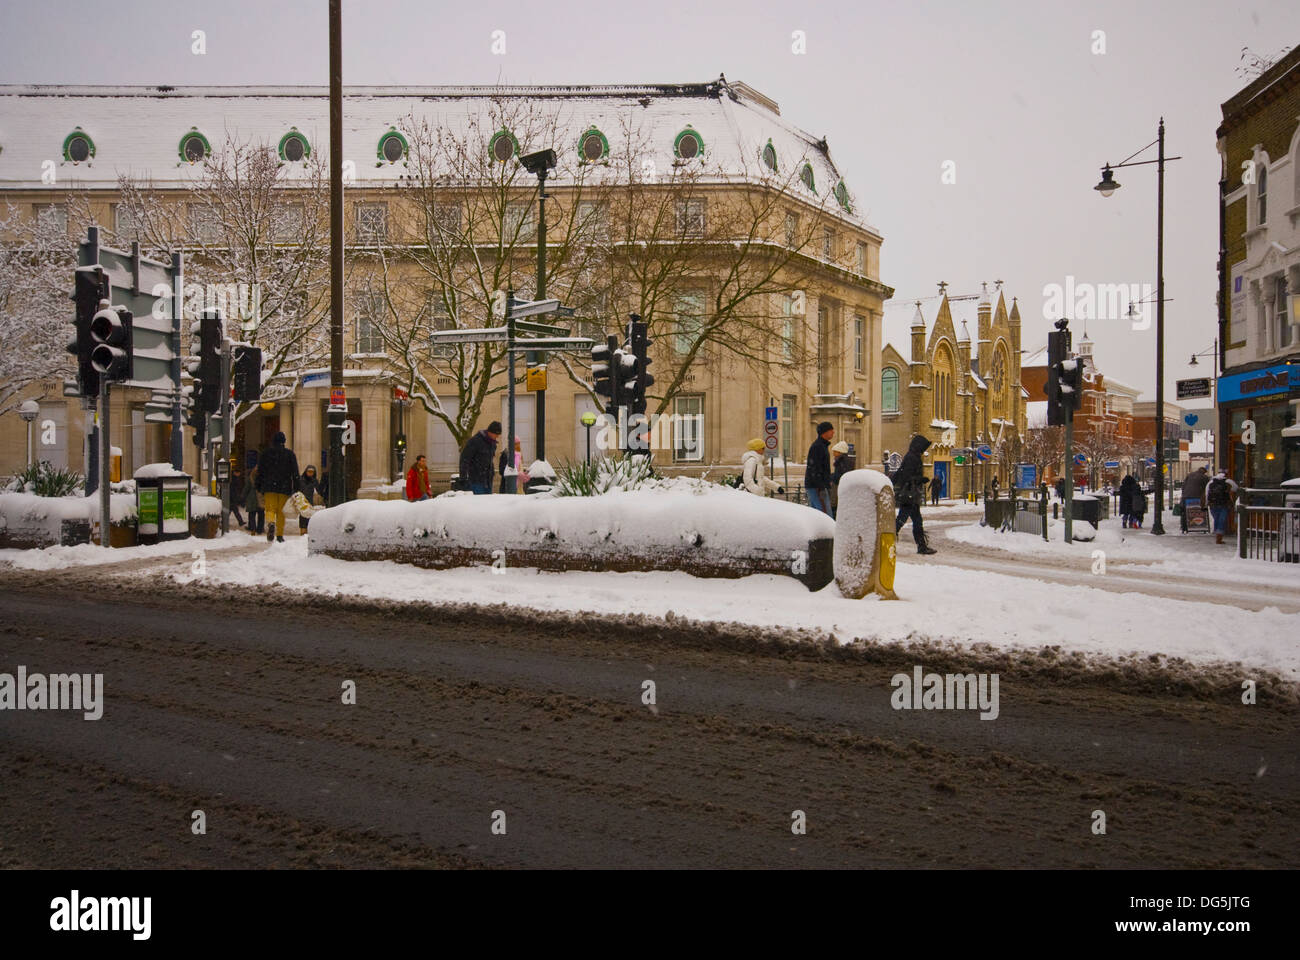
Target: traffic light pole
[
  {"x": 1069, "y": 475},
  {"x": 540, "y": 295},
  {"x": 510, "y": 378},
  {"x": 178, "y": 414},
  {"x": 336, "y": 415},
  {"x": 105, "y": 469},
  {"x": 224, "y": 486}
]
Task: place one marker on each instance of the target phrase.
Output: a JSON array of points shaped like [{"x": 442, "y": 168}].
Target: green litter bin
[{"x": 162, "y": 502}]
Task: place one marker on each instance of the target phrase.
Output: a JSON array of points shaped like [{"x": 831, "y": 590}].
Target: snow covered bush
[
  {"x": 46, "y": 480},
  {"x": 603, "y": 475}
]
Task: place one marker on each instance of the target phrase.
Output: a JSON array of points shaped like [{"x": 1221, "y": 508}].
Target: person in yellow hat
[{"x": 752, "y": 473}]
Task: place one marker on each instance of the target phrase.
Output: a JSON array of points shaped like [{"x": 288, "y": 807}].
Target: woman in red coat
[{"x": 417, "y": 481}]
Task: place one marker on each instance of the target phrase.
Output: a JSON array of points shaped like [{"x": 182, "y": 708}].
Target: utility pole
[
  {"x": 336, "y": 414},
  {"x": 178, "y": 411},
  {"x": 105, "y": 469},
  {"x": 510, "y": 380},
  {"x": 225, "y": 413}
]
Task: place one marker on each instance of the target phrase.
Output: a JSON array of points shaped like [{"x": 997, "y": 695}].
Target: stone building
[
  {"x": 1259, "y": 278},
  {"x": 809, "y": 343},
  {"x": 961, "y": 395}
]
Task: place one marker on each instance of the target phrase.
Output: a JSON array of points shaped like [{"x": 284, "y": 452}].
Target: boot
[
  {"x": 923, "y": 545},
  {"x": 270, "y": 532},
  {"x": 1218, "y": 538}
]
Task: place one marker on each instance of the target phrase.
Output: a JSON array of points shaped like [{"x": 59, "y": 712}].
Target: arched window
[
  {"x": 769, "y": 156},
  {"x": 889, "y": 390},
  {"x": 806, "y": 176},
  {"x": 943, "y": 371}
]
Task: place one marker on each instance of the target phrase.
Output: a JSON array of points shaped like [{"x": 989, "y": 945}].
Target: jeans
[
  {"x": 1220, "y": 515},
  {"x": 257, "y": 520},
  {"x": 820, "y": 499},
  {"x": 238, "y": 516},
  {"x": 480, "y": 488},
  {"x": 913, "y": 512}
]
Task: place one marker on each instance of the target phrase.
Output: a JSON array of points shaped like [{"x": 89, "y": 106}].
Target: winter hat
[
  {"x": 840, "y": 447},
  {"x": 278, "y": 438},
  {"x": 756, "y": 445},
  {"x": 495, "y": 427},
  {"x": 824, "y": 426}
]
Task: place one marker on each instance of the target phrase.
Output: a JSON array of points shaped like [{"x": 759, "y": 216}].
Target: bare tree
[{"x": 1044, "y": 447}]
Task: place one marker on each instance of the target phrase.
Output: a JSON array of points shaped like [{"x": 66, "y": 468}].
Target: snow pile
[
  {"x": 92, "y": 554},
  {"x": 856, "y": 527},
  {"x": 540, "y": 469},
  {"x": 203, "y": 507},
  {"x": 153, "y": 470},
  {"x": 681, "y": 523}
]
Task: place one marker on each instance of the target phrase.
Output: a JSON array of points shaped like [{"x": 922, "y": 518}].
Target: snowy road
[{"x": 226, "y": 699}]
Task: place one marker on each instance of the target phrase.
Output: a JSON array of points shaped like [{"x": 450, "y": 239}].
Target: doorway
[
  {"x": 351, "y": 451},
  {"x": 941, "y": 472}
]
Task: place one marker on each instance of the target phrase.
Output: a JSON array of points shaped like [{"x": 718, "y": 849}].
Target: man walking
[
  {"x": 417, "y": 481},
  {"x": 1218, "y": 496},
  {"x": 277, "y": 481},
  {"x": 817, "y": 474},
  {"x": 1193, "y": 492},
  {"x": 478, "y": 457},
  {"x": 909, "y": 493}
]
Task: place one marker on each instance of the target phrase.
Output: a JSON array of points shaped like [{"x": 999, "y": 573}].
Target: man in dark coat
[
  {"x": 909, "y": 492},
  {"x": 277, "y": 481},
  {"x": 936, "y": 487},
  {"x": 476, "y": 460},
  {"x": 1193, "y": 489},
  {"x": 1128, "y": 487},
  {"x": 817, "y": 474}
]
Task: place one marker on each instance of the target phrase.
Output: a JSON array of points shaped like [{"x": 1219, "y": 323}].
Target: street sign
[
  {"x": 1111, "y": 464},
  {"x": 531, "y": 308},
  {"x": 771, "y": 428},
  {"x": 769, "y": 413},
  {"x": 535, "y": 379},
  {"x": 338, "y": 397},
  {"x": 541, "y": 329},
  {"x": 552, "y": 343},
  {"x": 771, "y": 441},
  {"x": 483, "y": 335},
  {"x": 1192, "y": 389},
  {"x": 896, "y": 461},
  {"x": 984, "y": 452},
  {"x": 1150, "y": 461},
  {"x": 1081, "y": 459}
]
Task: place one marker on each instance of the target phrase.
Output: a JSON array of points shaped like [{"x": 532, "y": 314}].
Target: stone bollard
[{"x": 864, "y": 535}]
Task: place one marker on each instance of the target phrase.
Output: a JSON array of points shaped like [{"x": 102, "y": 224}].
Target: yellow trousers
[{"x": 275, "y": 510}]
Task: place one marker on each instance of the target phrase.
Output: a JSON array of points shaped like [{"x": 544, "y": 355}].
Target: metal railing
[
  {"x": 1021, "y": 512},
  {"x": 1268, "y": 531}
]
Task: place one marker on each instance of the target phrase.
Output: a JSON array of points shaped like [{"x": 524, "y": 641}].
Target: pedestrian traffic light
[
  {"x": 113, "y": 351},
  {"x": 90, "y": 287},
  {"x": 605, "y": 357},
  {"x": 246, "y": 373},
  {"x": 637, "y": 361},
  {"x": 205, "y": 368},
  {"x": 195, "y": 418}
]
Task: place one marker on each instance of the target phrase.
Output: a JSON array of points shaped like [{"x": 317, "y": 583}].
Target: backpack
[{"x": 1216, "y": 494}]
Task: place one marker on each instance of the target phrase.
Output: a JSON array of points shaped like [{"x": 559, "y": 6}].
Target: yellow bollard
[{"x": 865, "y": 557}]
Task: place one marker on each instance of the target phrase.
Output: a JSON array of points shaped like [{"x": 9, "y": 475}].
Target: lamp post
[
  {"x": 588, "y": 421},
  {"x": 1106, "y": 188},
  {"x": 29, "y": 410},
  {"x": 540, "y": 164}
]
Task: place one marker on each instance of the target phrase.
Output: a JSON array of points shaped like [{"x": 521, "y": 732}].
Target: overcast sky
[{"x": 1012, "y": 93}]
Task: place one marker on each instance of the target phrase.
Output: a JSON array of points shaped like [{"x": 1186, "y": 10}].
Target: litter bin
[
  {"x": 1087, "y": 508},
  {"x": 162, "y": 503}
]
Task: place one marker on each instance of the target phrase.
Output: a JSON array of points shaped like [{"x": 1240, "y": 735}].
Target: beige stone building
[
  {"x": 958, "y": 394},
  {"x": 802, "y": 316}
]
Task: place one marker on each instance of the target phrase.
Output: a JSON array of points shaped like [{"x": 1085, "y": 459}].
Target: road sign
[
  {"x": 1192, "y": 389},
  {"x": 483, "y": 335},
  {"x": 769, "y": 413},
  {"x": 338, "y": 397},
  {"x": 895, "y": 461},
  {"x": 1150, "y": 461},
  {"x": 1081, "y": 459},
  {"x": 771, "y": 441},
  {"x": 531, "y": 308},
  {"x": 1026, "y": 475},
  {"x": 541, "y": 329},
  {"x": 552, "y": 343},
  {"x": 984, "y": 452},
  {"x": 536, "y": 379},
  {"x": 1111, "y": 464},
  {"x": 771, "y": 428}
]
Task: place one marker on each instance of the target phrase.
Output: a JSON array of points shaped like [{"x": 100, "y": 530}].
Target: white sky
[{"x": 1009, "y": 91}]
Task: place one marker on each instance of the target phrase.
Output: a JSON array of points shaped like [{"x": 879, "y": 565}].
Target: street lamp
[
  {"x": 540, "y": 164},
  {"x": 29, "y": 410},
  {"x": 588, "y": 420},
  {"x": 1106, "y": 187}
]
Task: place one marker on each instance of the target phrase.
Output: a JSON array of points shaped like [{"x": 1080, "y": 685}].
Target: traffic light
[
  {"x": 205, "y": 368},
  {"x": 113, "y": 351},
  {"x": 195, "y": 417},
  {"x": 604, "y": 358},
  {"x": 1071, "y": 383},
  {"x": 91, "y": 286},
  {"x": 400, "y": 444},
  {"x": 1058, "y": 348},
  {"x": 637, "y": 362},
  {"x": 246, "y": 373}
]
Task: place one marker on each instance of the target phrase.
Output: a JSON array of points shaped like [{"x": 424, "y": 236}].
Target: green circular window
[
  {"x": 77, "y": 146},
  {"x": 806, "y": 175},
  {"x": 392, "y": 146},
  {"x": 689, "y": 144},
  {"x": 842, "y": 196},
  {"x": 503, "y": 146},
  {"x": 294, "y": 146},
  {"x": 769, "y": 156},
  {"x": 194, "y": 146},
  {"x": 592, "y": 146}
]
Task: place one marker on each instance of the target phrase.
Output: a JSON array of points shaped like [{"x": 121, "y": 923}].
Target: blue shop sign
[{"x": 1281, "y": 378}]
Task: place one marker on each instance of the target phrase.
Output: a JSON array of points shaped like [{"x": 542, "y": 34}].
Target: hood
[
  {"x": 919, "y": 445},
  {"x": 750, "y": 455}
]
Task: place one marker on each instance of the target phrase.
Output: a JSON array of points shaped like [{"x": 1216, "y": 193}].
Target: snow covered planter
[
  {"x": 864, "y": 535},
  {"x": 684, "y": 525},
  {"x": 29, "y": 522}
]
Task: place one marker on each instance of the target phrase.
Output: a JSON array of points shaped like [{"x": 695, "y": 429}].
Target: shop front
[{"x": 1257, "y": 414}]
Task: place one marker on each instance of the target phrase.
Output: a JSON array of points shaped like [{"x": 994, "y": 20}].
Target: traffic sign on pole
[
  {"x": 771, "y": 428},
  {"x": 769, "y": 413},
  {"x": 771, "y": 441}
]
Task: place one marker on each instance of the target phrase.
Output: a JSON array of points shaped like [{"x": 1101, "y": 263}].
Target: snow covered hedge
[
  {"x": 697, "y": 528},
  {"x": 31, "y": 522}
]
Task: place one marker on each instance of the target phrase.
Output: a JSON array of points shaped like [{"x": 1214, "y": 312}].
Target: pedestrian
[
  {"x": 909, "y": 493},
  {"x": 237, "y": 494},
  {"x": 513, "y": 476},
  {"x": 277, "y": 481},
  {"x": 995, "y": 488},
  {"x": 840, "y": 465},
  {"x": 417, "y": 480},
  {"x": 817, "y": 474},
  {"x": 253, "y": 504},
  {"x": 1193, "y": 492},
  {"x": 1138, "y": 506},
  {"x": 476, "y": 459},
  {"x": 936, "y": 488},
  {"x": 752, "y": 476},
  {"x": 1127, "y": 488},
  {"x": 310, "y": 487},
  {"x": 1060, "y": 488},
  {"x": 1218, "y": 496}
]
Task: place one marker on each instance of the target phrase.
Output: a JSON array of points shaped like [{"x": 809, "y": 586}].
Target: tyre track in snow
[{"x": 229, "y": 702}]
